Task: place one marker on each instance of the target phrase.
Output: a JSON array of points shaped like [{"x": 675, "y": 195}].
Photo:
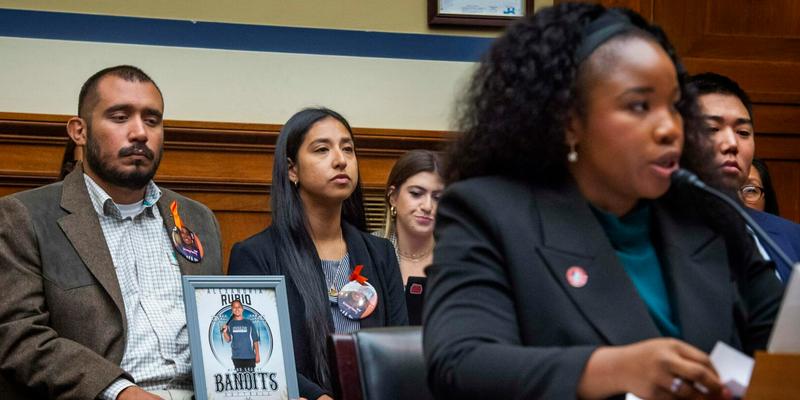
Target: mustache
[{"x": 138, "y": 148}]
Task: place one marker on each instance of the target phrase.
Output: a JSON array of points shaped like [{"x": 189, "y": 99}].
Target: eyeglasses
[{"x": 751, "y": 193}]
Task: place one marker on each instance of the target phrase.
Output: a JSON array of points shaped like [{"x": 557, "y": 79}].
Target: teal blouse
[{"x": 630, "y": 237}]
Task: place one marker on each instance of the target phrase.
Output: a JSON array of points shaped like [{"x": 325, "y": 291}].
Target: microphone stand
[{"x": 682, "y": 176}]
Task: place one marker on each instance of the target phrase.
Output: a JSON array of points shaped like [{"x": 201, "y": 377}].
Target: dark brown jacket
[{"x": 62, "y": 317}]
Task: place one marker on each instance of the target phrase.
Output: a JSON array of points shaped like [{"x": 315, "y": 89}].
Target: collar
[
  {"x": 630, "y": 232},
  {"x": 104, "y": 205}
]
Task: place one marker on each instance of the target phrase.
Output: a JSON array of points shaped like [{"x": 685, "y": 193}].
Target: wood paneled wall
[
  {"x": 756, "y": 43},
  {"x": 226, "y": 166}
]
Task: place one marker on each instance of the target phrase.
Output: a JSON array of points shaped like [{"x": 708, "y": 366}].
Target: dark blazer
[
  {"x": 62, "y": 318},
  {"x": 786, "y": 235},
  {"x": 256, "y": 256},
  {"x": 502, "y": 320}
]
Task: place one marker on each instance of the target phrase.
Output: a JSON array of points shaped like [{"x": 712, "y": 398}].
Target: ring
[{"x": 676, "y": 385}]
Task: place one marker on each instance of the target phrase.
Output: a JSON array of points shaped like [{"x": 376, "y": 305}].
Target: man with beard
[
  {"x": 728, "y": 116},
  {"x": 92, "y": 301}
]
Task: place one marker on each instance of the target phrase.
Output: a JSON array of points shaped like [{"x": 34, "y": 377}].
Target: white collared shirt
[{"x": 157, "y": 344}]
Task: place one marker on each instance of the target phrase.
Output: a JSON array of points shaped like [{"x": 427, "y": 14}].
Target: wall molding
[{"x": 48, "y": 131}]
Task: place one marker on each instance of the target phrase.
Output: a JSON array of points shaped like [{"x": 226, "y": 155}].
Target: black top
[
  {"x": 256, "y": 256},
  {"x": 505, "y": 318},
  {"x": 415, "y": 296}
]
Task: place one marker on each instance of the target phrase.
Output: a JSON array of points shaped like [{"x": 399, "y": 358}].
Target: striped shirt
[
  {"x": 157, "y": 343},
  {"x": 337, "y": 273}
]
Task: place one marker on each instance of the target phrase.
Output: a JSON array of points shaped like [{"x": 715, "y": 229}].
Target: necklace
[
  {"x": 332, "y": 292},
  {"x": 414, "y": 257}
]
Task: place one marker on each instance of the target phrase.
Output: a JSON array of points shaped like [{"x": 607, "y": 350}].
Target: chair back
[{"x": 379, "y": 364}]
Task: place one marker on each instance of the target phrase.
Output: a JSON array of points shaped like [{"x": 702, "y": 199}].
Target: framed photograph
[
  {"x": 240, "y": 337},
  {"x": 477, "y": 12}
]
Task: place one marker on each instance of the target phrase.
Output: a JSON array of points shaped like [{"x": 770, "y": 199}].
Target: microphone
[{"x": 684, "y": 177}]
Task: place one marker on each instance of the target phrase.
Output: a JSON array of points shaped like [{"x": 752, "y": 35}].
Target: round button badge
[
  {"x": 187, "y": 244},
  {"x": 577, "y": 276},
  {"x": 357, "y": 300}
]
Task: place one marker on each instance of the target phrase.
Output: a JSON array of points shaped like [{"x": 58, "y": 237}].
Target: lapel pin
[
  {"x": 357, "y": 299},
  {"x": 416, "y": 288},
  {"x": 577, "y": 276},
  {"x": 185, "y": 242}
]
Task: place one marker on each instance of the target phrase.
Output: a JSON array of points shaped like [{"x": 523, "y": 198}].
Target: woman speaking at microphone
[
  {"x": 565, "y": 265},
  {"x": 339, "y": 278}
]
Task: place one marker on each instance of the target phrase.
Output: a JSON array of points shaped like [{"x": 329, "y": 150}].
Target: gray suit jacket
[
  {"x": 502, "y": 320},
  {"x": 62, "y": 318}
]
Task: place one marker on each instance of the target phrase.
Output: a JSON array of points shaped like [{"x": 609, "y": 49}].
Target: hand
[
  {"x": 649, "y": 370},
  {"x": 136, "y": 393},
  {"x": 225, "y": 328},
  {"x": 654, "y": 364}
]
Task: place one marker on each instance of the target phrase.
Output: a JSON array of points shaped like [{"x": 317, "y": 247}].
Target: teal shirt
[{"x": 630, "y": 237}]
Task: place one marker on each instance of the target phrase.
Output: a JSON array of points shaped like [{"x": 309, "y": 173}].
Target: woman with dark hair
[
  {"x": 412, "y": 194},
  {"x": 317, "y": 241},
  {"x": 758, "y": 192},
  {"x": 566, "y": 264}
]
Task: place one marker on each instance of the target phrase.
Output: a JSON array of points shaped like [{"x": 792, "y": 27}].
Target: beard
[{"x": 104, "y": 169}]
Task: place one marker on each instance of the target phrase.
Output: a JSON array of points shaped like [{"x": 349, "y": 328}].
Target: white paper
[
  {"x": 734, "y": 368},
  {"x": 786, "y": 332}
]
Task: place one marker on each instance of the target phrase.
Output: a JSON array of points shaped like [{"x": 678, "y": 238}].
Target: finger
[
  {"x": 686, "y": 389},
  {"x": 704, "y": 378},
  {"x": 693, "y": 353}
]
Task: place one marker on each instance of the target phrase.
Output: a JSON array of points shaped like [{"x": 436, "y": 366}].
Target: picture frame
[
  {"x": 240, "y": 351},
  {"x": 477, "y": 13}
]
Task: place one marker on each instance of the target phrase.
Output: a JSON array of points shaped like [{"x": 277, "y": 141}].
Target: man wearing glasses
[
  {"x": 758, "y": 192},
  {"x": 728, "y": 115}
]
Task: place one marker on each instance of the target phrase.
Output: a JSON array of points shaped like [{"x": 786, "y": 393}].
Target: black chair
[{"x": 379, "y": 364}]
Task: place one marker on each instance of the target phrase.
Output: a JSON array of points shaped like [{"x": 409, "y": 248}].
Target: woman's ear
[
  {"x": 292, "y": 171},
  {"x": 392, "y": 195},
  {"x": 573, "y": 129}
]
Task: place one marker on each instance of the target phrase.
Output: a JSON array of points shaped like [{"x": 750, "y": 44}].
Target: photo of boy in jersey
[
  {"x": 187, "y": 244},
  {"x": 243, "y": 336}
]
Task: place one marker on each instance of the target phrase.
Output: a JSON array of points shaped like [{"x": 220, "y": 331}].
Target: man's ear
[{"x": 77, "y": 130}]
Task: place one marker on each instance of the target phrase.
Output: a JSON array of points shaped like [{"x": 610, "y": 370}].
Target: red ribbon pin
[{"x": 356, "y": 275}]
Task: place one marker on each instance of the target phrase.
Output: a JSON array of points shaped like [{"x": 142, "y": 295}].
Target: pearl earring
[{"x": 572, "y": 156}]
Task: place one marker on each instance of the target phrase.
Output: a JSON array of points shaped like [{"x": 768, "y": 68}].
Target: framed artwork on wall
[
  {"x": 240, "y": 337},
  {"x": 477, "y": 12}
]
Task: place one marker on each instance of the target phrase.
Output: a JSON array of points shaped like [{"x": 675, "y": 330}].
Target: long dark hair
[
  {"x": 408, "y": 165},
  {"x": 296, "y": 250}
]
